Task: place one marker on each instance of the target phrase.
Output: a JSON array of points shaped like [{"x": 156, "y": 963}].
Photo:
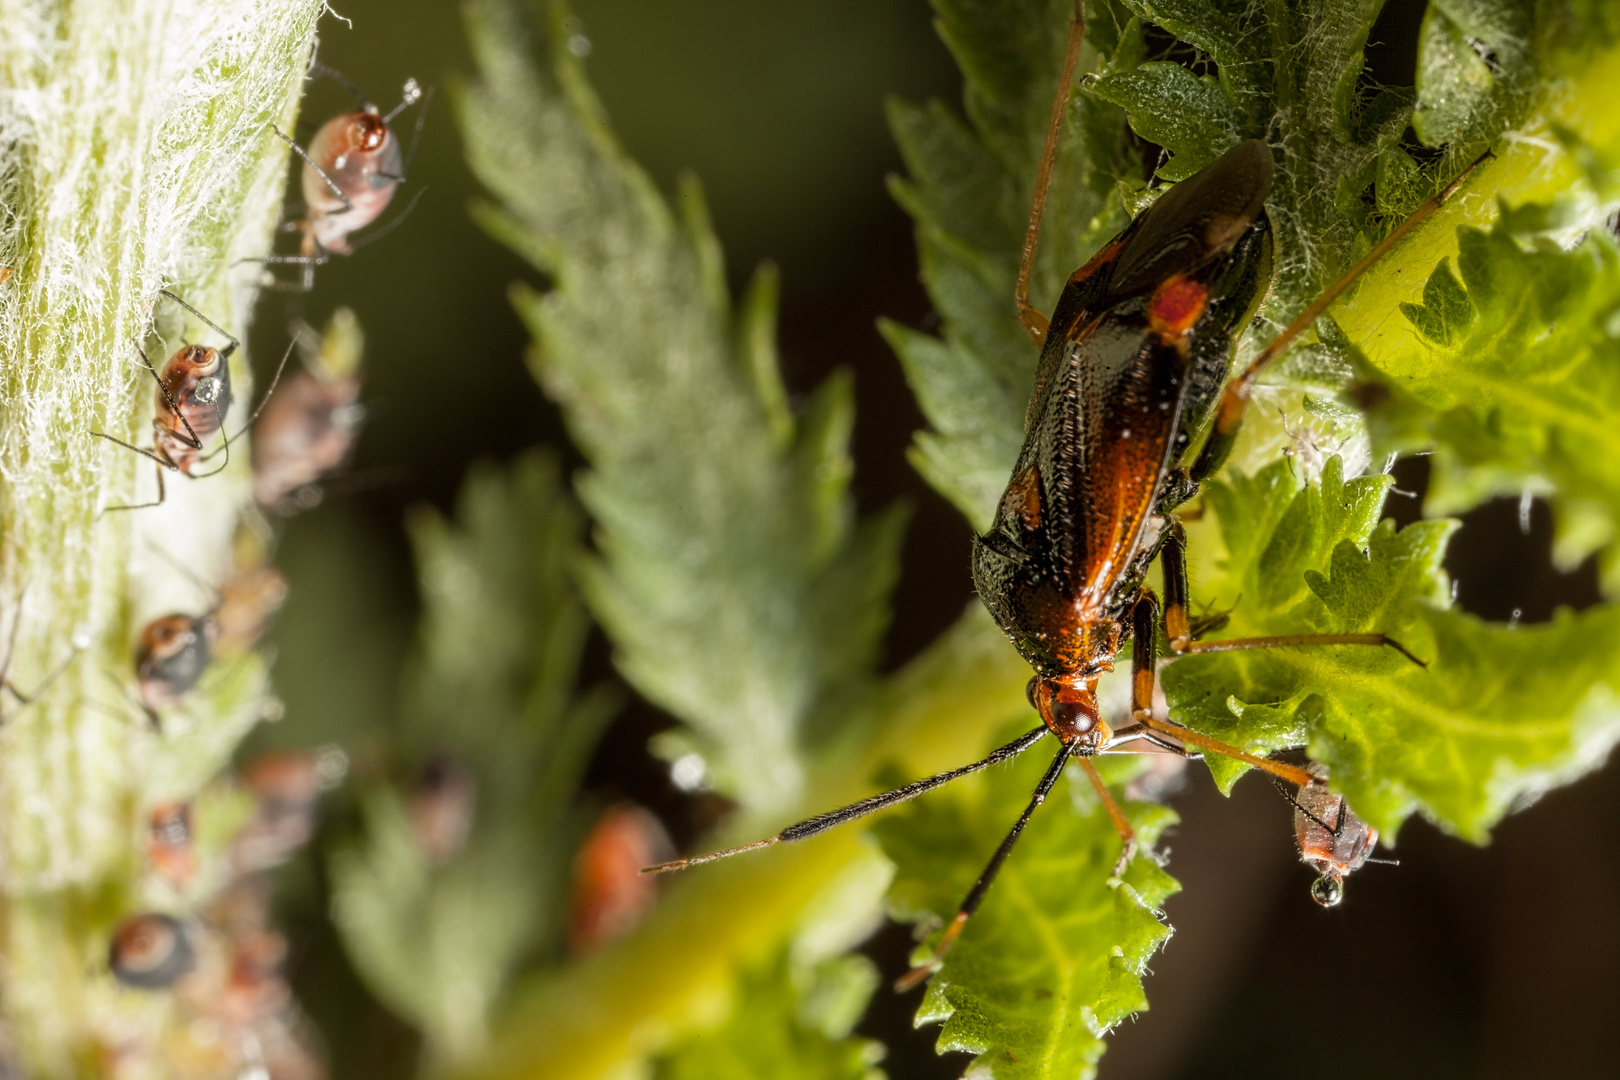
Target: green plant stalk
[
  {"x": 679, "y": 966},
  {"x": 137, "y": 154},
  {"x": 1530, "y": 165}
]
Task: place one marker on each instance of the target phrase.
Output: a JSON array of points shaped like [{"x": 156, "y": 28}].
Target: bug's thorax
[
  {"x": 198, "y": 381},
  {"x": 359, "y": 154}
]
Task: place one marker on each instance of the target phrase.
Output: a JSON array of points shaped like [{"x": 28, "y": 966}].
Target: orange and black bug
[
  {"x": 1134, "y": 365},
  {"x": 351, "y": 170},
  {"x": 193, "y": 398}
]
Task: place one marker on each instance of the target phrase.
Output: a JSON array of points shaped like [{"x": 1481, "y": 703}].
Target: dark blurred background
[{"x": 1461, "y": 962}]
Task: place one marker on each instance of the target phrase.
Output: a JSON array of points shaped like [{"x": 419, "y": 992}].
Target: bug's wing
[{"x": 1106, "y": 436}]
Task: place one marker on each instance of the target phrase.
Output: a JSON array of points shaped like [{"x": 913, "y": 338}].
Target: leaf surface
[
  {"x": 1498, "y": 715},
  {"x": 1055, "y": 956}
]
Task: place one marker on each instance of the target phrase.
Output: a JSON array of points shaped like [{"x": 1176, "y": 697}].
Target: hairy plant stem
[{"x": 136, "y": 153}]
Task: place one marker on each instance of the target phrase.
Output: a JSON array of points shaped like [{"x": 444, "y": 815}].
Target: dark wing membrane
[
  {"x": 1086, "y": 480},
  {"x": 1124, "y": 389}
]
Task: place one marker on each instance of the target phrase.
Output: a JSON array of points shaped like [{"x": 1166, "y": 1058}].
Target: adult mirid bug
[
  {"x": 351, "y": 170},
  {"x": 1134, "y": 368}
]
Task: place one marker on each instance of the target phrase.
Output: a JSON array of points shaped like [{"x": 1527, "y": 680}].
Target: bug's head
[
  {"x": 1069, "y": 708},
  {"x": 368, "y": 131}
]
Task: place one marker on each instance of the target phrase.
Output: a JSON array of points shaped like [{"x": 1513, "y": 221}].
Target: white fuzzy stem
[{"x": 136, "y": 153}]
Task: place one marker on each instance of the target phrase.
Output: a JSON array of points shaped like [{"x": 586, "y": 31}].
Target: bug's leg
[
  {"x": 1144, "y": 673},
  {"x": 1178, "y": 627},
  {"x": 393, "y": 223},
  {"x": 1033, "y": 321},
  {"x": 331, "y": 185},
  {"x": 871, "y": 805},
  {"x": 50, "y": 677},
  {"x": 1121, "y": 823},
  {"x": 1288, "y": 641},
  {"x": 162, "y": 463},
  {"x": 307, "y": 263},
  {"x": 218, "y": 329},
  {"x": 1229, "y": 414},
  {"x": 975, "y": 895}
]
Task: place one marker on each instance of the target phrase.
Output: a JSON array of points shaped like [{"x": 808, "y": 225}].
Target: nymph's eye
[{"x": 1029, "y": 690}]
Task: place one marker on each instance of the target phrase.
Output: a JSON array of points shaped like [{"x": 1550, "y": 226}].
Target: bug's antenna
[
  {"x": 412, "y": 94},
  {"x": 821, "y": 823},
  {"x": 1034, "y": 322},
  {"x": 416, "y": 137},
  {"x": 318, "y": 68}
]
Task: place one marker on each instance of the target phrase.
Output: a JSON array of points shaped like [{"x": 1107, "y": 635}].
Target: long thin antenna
[{"x": 821, "y": 823}]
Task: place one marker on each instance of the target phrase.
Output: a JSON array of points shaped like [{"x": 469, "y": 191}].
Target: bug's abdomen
[{"x": 361, "y": 157}]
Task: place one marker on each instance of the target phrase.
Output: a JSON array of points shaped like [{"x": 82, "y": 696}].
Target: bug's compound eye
[
  {"x": 1074, "y": 711},
  {"x": 369, "y": 131},
  {"x": 1069, "y": 711},
  {"x": 206, "y": 392},
  {"x": 1328, "y": 890},
  {"x": 1029, "y": 691}
]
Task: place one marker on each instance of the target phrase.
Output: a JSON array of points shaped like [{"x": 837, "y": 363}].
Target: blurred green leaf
[
  {"x": 969, "y": 191},
  {"x": 771, "y": 1033},
  {"x": 433, "y": 920},
  {"x": 739, "y": 591}
]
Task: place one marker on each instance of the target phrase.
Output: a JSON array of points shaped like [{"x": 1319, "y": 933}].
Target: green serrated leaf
[
  {"x": 1498, "y": 714},
  {"x": 489, "y": 693},
  {"x": 1514, "y": 381},
  {"x": 738, "y": 589},
  {"x": 1054, "y": 957},
  {"x": 969, "y": 190}
]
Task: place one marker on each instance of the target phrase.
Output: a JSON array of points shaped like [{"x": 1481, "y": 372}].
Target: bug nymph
[
  {"x": 170, "y": 658},
  {"x": 306, "y": 433},
  {"x": 1332, "y": 840},
  {"x": 193, "y": 398},
  {"x": 352, "y": 168},
  {"x": 150, "y": 952},
  {"x": 191, "y": 404}
]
